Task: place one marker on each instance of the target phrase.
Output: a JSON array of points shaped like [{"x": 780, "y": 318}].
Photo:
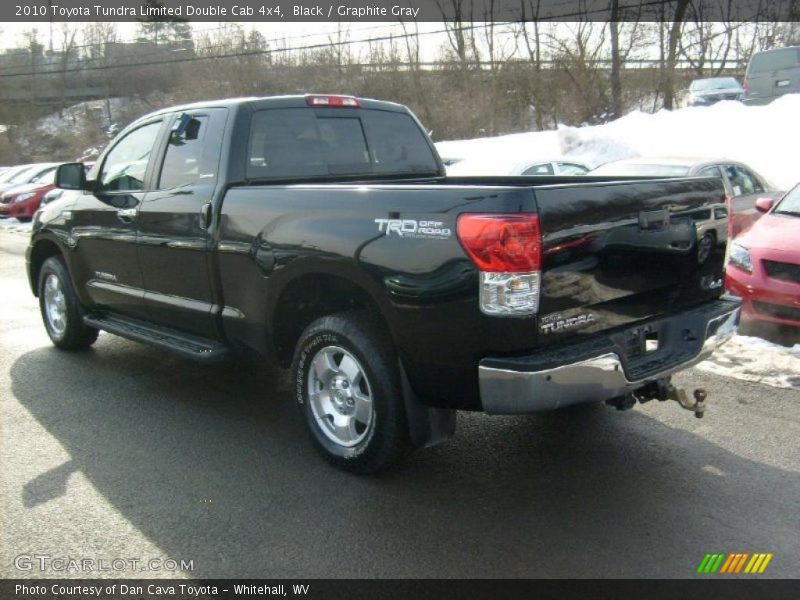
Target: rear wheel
[
  {"x": 346, "y": 381},
  {"x": 60, "y": 308}
]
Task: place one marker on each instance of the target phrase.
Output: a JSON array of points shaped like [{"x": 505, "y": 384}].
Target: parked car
[
  {"x": 771, "y": 74},
  {"x": 743, "y": 186},
  {"x": 450, "y": 161},
  {"x": 764, "y": 263},
  {"x": 482, "y": 166},
  {"x": 322, "y": 232},
  {"x": 708, "y": 91},
  {"x": 51, "y": 196},
  {"x": 12, "y": 173},
  {"x": 22, "y": 201}
]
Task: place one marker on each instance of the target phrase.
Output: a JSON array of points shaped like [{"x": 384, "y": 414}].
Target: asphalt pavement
[{"x": 126, "y": 452}]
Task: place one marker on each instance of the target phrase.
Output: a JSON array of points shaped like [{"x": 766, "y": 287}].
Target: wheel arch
[
  {"x": 312, "y": 295},
  {"x": 42, "y": 248}
]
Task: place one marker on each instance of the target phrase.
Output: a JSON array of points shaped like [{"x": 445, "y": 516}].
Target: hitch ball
[{"x": 700, "y": 396}]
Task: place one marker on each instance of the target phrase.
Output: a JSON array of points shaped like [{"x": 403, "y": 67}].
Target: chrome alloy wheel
[
  {"x": 340, "y": 396},
  {"x": 55, "y": 305}
]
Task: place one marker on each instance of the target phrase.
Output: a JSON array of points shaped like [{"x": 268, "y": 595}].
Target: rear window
[
  {"x": 301, "y": 142},
  {"x": 717, "y": 83},
  {"x": 773, "y": 60}
]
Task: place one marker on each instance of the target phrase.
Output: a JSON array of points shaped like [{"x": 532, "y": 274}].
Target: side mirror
[
  {"x": 71, "y": 176},
  {"x": 764, "y": 204}
]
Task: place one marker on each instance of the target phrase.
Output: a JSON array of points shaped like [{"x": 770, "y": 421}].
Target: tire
[
  {"x": 346, "y": 382},
  {"x": 60, "y": 308}
]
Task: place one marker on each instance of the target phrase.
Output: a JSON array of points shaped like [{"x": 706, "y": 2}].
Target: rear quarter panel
[{"x": 424, "y": 285}]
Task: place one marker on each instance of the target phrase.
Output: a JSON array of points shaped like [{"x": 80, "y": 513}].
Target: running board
[{"x": 189, "y": 346}]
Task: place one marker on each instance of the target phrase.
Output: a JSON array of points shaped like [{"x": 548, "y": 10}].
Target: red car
[
  {"x": 764, "y": 263},
  {"x": 22, "y": 201}
]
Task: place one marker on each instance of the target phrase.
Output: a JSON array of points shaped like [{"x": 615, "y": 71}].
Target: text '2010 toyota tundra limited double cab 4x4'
[{"x": 322, "y": 232}]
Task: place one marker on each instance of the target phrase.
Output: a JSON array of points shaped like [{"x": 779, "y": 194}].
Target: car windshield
[
  {"x": 790, "y": 204},
  {"x": 718, "y": 83},
  {"x": 46, "y": 177},
  {"x": 647, "y": 170},
  {"x": 7, "y": 176},
  {"x": 23, "y": 176}
]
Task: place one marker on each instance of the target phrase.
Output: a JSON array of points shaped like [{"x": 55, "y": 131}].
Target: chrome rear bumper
[{"x": 514, "y": 390}]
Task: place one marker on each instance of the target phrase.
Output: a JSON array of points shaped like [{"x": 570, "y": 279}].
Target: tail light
[
  {"x": 343, "y": 101},
  {"x": 746, "y": 86},
  {"x": 507, "y": 249}
]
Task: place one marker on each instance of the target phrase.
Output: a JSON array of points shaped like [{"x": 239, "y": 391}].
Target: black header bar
[{"x": 396, "y": 10}]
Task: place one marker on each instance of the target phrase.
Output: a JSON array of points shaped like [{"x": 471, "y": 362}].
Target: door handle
[
  {"x": 205, "y": 216},
  {"x": 127, "y": 214}
]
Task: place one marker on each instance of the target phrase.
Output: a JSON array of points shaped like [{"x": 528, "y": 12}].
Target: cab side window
[
  {"x": 183, "y": 162},
  {"x": 125, "y": 166},
  {"x": 571, "y": 169},
  {"x": 709, "y": 172},
  {"x": 742, "y": 181}
]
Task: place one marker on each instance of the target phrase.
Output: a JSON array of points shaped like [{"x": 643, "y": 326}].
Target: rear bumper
[{"x": 601, "y": 369}]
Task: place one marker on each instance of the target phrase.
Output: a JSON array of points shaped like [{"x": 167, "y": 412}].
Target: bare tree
[
  {"x": 68, "y": 35},
  {"x": 616, "y": 63},
  {"x": 415, "y": 66},
  {"x": 577, "y": 49},
  {"x": 673, "y": 41}
]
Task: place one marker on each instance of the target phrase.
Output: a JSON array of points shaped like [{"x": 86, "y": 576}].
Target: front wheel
[
  {"x": 347, "y": 384},
  {"x": 705, "y": 247},
  {"x": 60, "y": 308}
]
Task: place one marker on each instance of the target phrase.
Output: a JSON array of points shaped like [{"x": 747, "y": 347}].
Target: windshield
[
  {"x": 46, "y": 177},
  {"x": 718, "y": 83},
  {"x": 790, "y": 205},
  {"x": 629, "y": 169},
  {"x": 13, "y": 171},
  {"x": 23, "y": 176}
]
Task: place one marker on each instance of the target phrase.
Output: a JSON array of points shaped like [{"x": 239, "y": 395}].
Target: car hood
[
  {"x": 774, "y": 232},
  {"x": 23, "y": 188}
]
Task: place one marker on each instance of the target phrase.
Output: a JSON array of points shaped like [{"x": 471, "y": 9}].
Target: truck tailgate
[{"x": 619, "y": 252}]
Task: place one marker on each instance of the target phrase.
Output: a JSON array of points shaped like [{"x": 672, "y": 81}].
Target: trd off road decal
[{"x": 411, "y": 228}]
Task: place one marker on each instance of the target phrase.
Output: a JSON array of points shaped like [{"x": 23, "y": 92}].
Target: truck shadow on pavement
[{"x": 212, "y": 463}]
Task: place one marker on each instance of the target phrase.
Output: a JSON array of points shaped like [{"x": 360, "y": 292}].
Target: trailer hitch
[
  {"x": 698, "y": 407},
  {"x": 663, "y": 390}
]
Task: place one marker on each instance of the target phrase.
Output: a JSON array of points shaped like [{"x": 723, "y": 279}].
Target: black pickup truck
[{"x": 321, "y": 232}]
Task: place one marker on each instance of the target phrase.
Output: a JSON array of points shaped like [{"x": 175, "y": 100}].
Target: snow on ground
[
  {"x": 15, "y": 226},
  {"x": 754, "y": 359},
  {"x": 763, "y": 137}
]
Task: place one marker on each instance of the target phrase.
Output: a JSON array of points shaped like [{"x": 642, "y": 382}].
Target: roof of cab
[{"x": 258, "y": 103}]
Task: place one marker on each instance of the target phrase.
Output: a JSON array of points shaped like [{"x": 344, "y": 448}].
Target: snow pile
[
  {"x": 15, "y": 226},
  {"x": 754, "y": 359},
  {"x": 763, "y": 137},
  {"x": 514, "y": 148},
  {"x": 80, "y": 116}
]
